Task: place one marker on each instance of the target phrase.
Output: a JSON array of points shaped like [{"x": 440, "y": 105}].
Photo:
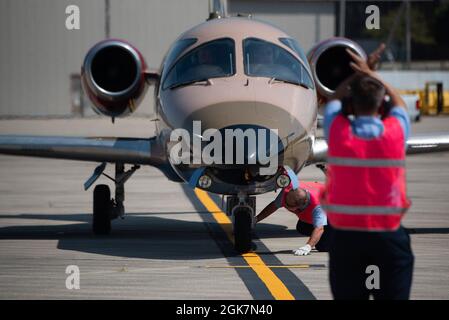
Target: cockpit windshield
[
  {"x": 265, "y": 59},
  {"x": 213, "y": 59}
]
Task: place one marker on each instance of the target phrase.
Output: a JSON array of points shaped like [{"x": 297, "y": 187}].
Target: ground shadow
[
  {"x": 139, "y": 235},
  {"x": 427, "y": 230},
  {"x": 267, "y": 231}
]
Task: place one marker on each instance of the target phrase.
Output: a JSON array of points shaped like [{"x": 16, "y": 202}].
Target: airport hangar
[{"x": 40, "y": 59}]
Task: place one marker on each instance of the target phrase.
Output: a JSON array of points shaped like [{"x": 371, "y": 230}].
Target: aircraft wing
[
  {"x": 416, "y": 144},
  {"x": 430, "y": 142},
  {"x": 97, "y": 149}
]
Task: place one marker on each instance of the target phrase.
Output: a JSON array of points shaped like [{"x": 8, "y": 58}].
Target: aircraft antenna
[{"x": 218, "y": 9}]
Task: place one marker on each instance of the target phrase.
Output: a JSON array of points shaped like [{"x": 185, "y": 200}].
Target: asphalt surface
[{"x": 174, "y": 242}]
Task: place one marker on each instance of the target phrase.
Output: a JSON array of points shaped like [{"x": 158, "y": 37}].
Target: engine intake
[
  {"x": 113, "y": 76},
  {"x": 330, "y": 63}
]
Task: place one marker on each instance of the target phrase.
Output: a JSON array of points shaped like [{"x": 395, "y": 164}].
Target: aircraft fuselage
[{"x": 238, "y": 73}]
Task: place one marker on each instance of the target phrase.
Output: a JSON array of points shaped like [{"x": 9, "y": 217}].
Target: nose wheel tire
[
  {"x": 101, "y": 222},
  {"x": 242, "y": 230}
]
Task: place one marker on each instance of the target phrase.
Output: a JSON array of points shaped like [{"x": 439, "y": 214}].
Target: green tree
[{"x": 440, "y": 24}]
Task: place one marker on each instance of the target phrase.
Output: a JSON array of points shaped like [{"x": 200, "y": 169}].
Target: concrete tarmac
[{"x": 170, "y": 246}]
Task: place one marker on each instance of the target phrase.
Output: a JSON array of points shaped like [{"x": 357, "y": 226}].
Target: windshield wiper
[
  {"x": 205, "y": 81},
  {"x": 277, "y": 80}
]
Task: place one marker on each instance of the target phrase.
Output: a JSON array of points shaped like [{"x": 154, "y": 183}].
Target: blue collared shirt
[{"x": 366, "y": 127}]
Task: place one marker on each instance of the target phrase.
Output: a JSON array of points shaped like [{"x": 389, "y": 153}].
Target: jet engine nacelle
[
  {"x": 113, "y": 77},
  {"x": 330, "y": 63}
]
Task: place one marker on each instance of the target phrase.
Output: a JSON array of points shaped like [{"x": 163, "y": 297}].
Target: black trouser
[
  {"x": 306, "y": 229},
  {"x": 353, "y": 251}
]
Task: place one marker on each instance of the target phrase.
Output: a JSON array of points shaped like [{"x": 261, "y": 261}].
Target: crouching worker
[{"x": 303, "y": 201}]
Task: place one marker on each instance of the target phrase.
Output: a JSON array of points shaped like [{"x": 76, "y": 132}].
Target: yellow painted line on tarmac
[
  {"x": 216, "y": 212},
  {"x": 299, "y": 266},
  {"x": 276, "y": 287}
]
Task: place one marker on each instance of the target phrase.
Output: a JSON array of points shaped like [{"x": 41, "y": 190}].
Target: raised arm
[
  {"x": 343, "y": 89},
  {"x": 361, "y": 67},
  {"x": 373, "y": 61}
]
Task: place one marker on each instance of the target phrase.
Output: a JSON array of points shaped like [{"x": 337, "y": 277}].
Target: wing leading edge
[
  {"x": 416, "y": 144},
  {"x": 97, "y": 149},
  {"x": 150, "y": 151},
  {"x": 425, "y": 143}
]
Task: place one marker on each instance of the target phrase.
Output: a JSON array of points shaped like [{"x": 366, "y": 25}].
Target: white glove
[{"x": 303, "y": 251}]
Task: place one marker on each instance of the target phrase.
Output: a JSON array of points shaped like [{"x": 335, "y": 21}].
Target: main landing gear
[
  {"x": 101, "y": 222},
  {"x": 242, "y": 209},
  {"x": 106, "y": 208}
]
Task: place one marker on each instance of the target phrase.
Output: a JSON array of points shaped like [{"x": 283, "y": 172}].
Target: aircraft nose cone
[
  {"x": 249, "y": 145},
  {"x": 244, "y": 114}
]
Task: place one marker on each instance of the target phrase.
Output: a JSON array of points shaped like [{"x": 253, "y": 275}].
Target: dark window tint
[
  {"x": 213, "y": 59},
  {"x": 294, "y": 45},
  {"x": 174, "y": 52},
  {"x": 265, "y": 59}
]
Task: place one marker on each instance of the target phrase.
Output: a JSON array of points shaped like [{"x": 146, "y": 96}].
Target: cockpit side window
[
  {"x": 265, "y": 59},
  {"x": 294, "y": 45},
  {"x": 178, "y": 47},
  {"x": 213, "y": 59}
]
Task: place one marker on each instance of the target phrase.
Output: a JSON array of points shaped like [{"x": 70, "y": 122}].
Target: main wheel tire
[
  {"x": 242, "y": 230},
  {"x": 101, "y": 221}
]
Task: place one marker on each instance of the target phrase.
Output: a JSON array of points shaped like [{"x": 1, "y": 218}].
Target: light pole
[
  {"x": 342, "y": 18},
  {"x": 107, "y": 18},
  {"x": 408, "y": 35}
]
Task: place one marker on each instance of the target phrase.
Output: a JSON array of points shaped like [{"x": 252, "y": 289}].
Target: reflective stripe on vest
[
  {"x": 365, "y": 187},
  {"x": 363, "y": 210},
  {"x": 373, "y": 163}
]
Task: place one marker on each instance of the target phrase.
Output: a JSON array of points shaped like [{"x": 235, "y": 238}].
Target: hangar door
[{"x": 307, "y": 21}]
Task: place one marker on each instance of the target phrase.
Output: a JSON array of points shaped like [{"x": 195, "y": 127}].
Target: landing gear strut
[
  {"x": 106, "y": 209},
  {"x": 242, "y": 209},
  {"x": 322, "y": 167}
]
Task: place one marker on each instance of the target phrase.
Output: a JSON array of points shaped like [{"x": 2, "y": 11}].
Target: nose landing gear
[{"x": 242, "y": 209}]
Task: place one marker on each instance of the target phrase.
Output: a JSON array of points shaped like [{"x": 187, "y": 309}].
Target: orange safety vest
[
  {"x": 314, "y": 188},
  {"x": 366, "y": 185}
]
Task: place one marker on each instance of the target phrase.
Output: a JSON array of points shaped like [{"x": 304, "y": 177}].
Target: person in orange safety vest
[
  {"x": 303, "y": 200},
  {"x": 365, "y": 195}
]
